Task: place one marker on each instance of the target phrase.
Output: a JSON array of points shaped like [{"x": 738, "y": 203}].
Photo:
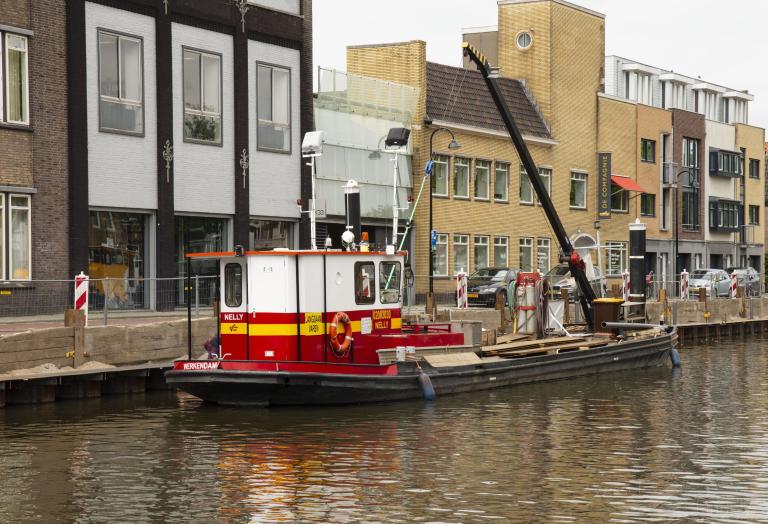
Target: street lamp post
[
  {"x": 693, "y": 183},
  {"x": 429, "y": 171}
]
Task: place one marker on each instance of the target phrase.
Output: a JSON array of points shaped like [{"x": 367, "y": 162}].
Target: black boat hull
[{"x": 258, "y": 388}]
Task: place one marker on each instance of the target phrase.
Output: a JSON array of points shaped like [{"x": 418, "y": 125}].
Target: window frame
[
  {"x": 382, "y": 271},
  {"x": 273, "y": 66},
  {"x": 754, "y": 220},
  {"x": 119, "y": 100},
  {"x": 5, "y": 92},
  {"x": 464, "y": 244},
  {"x": 227, "y": 267},
  {"x": 585, "y": 181},
  {"x": 644, "y": 197},
  {"x": 438, "y": 243},
  {"x": 534, "y": 197},
  {"x": 525, "y": 243},
  {"x": 754, "y": 173},
  {"x": 644, "y": 144},
  {"x": 623, "y": 249},
  {"x": 358, "y": 271},
  {"x": 442, "y": 160},
  {"x": 7, "y": 228},
  {"x": 487, "y": 166},
  {"x": 497, "y": 244},
  {"x": 544, "y": 243},
  {"x": 458, "y": 161},
  {"x": 184, "y": 109},
  {"x": 477, "y": 241},
  {"x": 503, "y": 166},
  {"x": 623, "y": 195},
  {"x": 691, "y": 149}
]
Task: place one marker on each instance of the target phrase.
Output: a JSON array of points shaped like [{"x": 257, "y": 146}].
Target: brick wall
[
  {"x": 15, "y": 157},
  {"x": 651, "y": 124},
  {"x": 15, "y": 13},
  {"x": 752, "y": 139},
  {"x": 689, "y": 125}
]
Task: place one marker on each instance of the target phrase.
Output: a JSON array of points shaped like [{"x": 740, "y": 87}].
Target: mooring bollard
[{"x": 81, "y": 294}]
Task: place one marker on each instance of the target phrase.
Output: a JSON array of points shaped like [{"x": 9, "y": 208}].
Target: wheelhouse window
[
  {"x": 365, "y": 283},
  {"x": 501, "y": 183},
  {"x": 440, "y": 176},
  {"x": 273, "y": 93},
  {"x": 16, "y": 82},
  {"x": 389, "y": 282},
  {"x": 578, "y": 199},
  {"x": 482, "y": 179},
  {"x": 500, "y": 251},
  {"x": 481, "y": 252},
  {"x": 233, "y": 285},
  {"x": 461, "y": 177},
  {"x": 440, "y": 254},
  {"x": 121, "y": 84},
  {"x": 460, "y": 253},
  {"x": 202, "y": 97}
]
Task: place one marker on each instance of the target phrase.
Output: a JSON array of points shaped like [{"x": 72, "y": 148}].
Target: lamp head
[
  {"x": 313, "y": 143},
  {"x": 454, "y": 144},
  {"x": 397, "y": 137}
]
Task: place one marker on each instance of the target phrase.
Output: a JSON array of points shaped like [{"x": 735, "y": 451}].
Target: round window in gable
[{"x": 524, "y": 40}]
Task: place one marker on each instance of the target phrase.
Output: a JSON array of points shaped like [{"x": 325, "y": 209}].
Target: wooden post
[{"x": 566, "y": 306}]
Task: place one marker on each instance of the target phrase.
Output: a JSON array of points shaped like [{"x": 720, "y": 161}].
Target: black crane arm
[{"x": 575, "y": 263}]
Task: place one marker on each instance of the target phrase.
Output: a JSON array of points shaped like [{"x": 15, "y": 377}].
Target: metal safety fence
[{"x": 107, "y": 296}]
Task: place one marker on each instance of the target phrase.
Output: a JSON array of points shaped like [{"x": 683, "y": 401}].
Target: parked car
[
  {"x": 559, "y": 278},
  {"x": 749, "y": 279},
  {"x": 715, "y": 282},
  {"x": 487, "y": 287}
]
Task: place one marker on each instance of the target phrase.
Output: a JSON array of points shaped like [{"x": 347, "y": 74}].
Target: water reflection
[{"x": 631, "y": 447}]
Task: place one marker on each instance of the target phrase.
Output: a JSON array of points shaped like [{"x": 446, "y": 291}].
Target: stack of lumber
[{"x": 544, "y": 346}]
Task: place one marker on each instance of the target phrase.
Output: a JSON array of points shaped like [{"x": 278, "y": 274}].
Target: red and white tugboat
[{"x": 306, "y": 327}]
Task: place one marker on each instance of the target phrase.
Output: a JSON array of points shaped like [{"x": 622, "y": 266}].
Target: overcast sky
[{"x": 723, "y": 41}]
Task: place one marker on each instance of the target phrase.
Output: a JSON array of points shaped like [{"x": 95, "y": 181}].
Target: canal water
[{"x": 652, "y": 445}]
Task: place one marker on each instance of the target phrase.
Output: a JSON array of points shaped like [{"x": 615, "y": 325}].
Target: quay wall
[
  {"x": 720, "y": 311},
  {"x": 113, "y": 345}
]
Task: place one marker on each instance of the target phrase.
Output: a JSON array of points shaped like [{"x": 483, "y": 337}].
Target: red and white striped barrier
[
  {"x": 684, "y": 293},
  {"x": 625, "y": 288},
  {"x": 81, "y": 294},
  {"x": 734, "y": 285},
  {"x": 461, "y": 290}
]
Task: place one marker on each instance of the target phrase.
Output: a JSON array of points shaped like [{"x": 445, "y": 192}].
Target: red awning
[{"x": 627, "y": 184}]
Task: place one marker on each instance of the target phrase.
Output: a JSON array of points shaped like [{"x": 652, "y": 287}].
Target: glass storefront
[
  {"x": 266, "y": 235},
  {"x": 117, "y": 259},
  {"x": 199, "y": 235}
]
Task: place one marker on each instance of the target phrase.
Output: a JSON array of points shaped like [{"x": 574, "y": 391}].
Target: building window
[
  {"x": 389, "y": 282},
  {"x": 482, "y": 179},
  {"x": 725, "y": 163},
  {"x": 578, "y": 190},
  {"x": 526, "y": 254},
  {"x": 117, "y": 250},
  {"x": 365, "y": 283},
  {"x": 648, "y": 150},
  {"x": 648, "y": 205},
  {"x": 500, "y": 251},
  {"x": 542, "y": 254},
  {"x": 754, "y": 215},
  {"x": 440, "y": 176},
  {"x": 619, "y": 199},
  {"x": 754, "y": 168},
  {"x": 440, "y": 262},
  {"x": 481, "y": 252},
  {"x": 273, "y": 94},
  {"x": 121, "y": 83},
  {"x": 460, "y": 253},
  {"x": 723, "y": 215},
  {"x": 501, "y": 183},
  {"x": 202, "y": 97},
  {"x": 526, "y": 187},
  {"x": 461, "y": 177},
  {"x": 16, "y": 79},
  {"x": 690, "y": 184},
  {"x": 617, "y": 258},
  {"x": 198, "y": 235},
  {"x": 266, "y": 235},
  {"x": 16, "y": 237},
  {"x": 524, "y": 40}
]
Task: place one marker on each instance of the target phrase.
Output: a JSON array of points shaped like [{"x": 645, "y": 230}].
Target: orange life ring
[{"x": 341, "y": 334}]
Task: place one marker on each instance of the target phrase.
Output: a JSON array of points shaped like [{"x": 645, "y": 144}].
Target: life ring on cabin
[{"x": 341, "y": 334}]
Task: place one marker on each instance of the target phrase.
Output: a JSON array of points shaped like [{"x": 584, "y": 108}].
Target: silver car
[{"x": 716, "y": 282}]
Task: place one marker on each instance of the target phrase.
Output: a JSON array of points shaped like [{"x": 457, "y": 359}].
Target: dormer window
[{"x": 638, "y": 83}]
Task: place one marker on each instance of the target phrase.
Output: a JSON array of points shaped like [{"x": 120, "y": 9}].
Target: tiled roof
[{"x": 460, "y": 96}]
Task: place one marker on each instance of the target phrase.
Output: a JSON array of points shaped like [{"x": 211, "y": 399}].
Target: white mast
[{"x": 311, "y": 148}]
